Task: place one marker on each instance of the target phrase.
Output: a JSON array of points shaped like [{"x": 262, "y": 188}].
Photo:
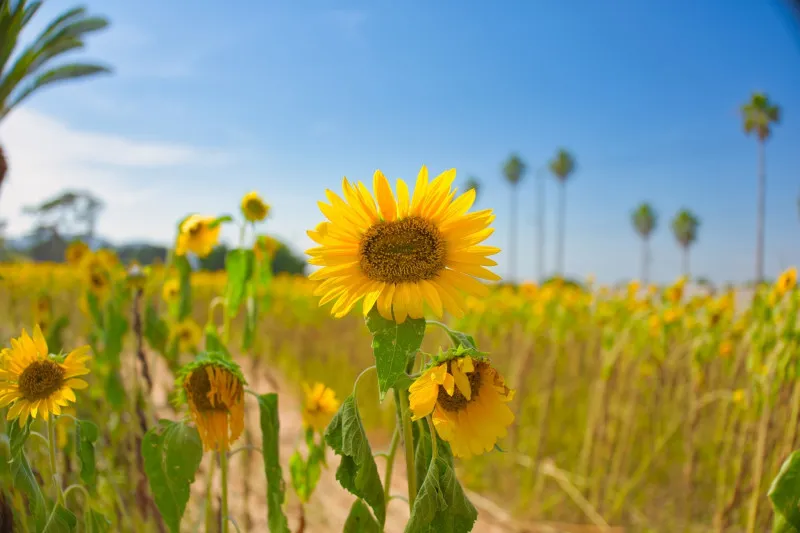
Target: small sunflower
[
  {"x": 197, "y": 236},
  {"x": 213, "y": 387},
  {"x": 254, "y": 208},
  {"x": 266, "y": 246},
  {"x": 75, "y": 252},
  {"x": 188, "y": 335},
  {"x": 320, "y": 406},
  {"x": 98, "y": 279},
  {"x": 136, "y": 276},
  {"x": 468, "y": 399},
  {"x": 36, "y": 383},
  {"x": 171, "y": 290},
  {"x": 786, "y": 281},
  {"x": 400, "y": 253}
]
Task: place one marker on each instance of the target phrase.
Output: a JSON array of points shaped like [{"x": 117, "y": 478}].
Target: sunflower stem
[
  {"x": 51, "y": 432},
  {"x": 387, "y": 483},
  {"x": 408, "y": 441},
  {"x": 223, "y": 462},
  {"x": 434, "y": 439},
  {"x": 209, "y": 514}
]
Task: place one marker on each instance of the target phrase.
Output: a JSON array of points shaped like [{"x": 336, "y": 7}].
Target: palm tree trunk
[
  {"x": 645, "y": 274},
  {"x": 760, "y": 213},
  {"x": 540, "y": 228},
  {"x": 3, "y": 167},
  {"x": 562, "y": 208},
  {"x": 686, "y": 261},
  {"x": 512, "y": 245}
]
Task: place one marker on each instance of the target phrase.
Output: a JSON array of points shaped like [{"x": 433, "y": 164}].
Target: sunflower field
[{"x": 400, "y": 387}]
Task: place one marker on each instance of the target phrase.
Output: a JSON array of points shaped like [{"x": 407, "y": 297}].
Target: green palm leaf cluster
[{"x": 25, "y": 71}]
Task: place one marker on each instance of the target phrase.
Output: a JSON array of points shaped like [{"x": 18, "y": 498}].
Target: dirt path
[{"x": 330, "y": 504}]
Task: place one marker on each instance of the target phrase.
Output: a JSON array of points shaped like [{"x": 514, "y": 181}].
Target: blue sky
[{"x": 287, "y": 97}]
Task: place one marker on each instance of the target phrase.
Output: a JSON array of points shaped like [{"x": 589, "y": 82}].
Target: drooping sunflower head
[
  {"x": 36, "y": 383},
  {"x": 187, "y": 333},
  {"x": 198, "y": 234},
  {"x": 213, "y": 388},
  {"x": 266, "y": 246},
  {"x": 171, "y": 290},
  {"x": 75, "y": 252},
  {"x": 319, "y": 407},
  {"x": 401, "y": 253},
  {"x": 254, "y": 208},
  {"x": 468, "y": 401}
]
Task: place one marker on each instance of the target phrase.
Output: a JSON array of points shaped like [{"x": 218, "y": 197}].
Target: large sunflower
[
  {"x": 468, "y": 399},
  {"x": 400, "y": 253},
  {"x": 36, "y": 383},
  {"x": 197, "y": 235},
  {"x": 214, "y": 389}
]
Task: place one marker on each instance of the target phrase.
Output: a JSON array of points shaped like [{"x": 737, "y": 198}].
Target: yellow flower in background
[
  {"x": 188, "y": 335},
  {"x": 786, "y": 281},
  {"x": 529, "y": 290},
  {"x": 171, "y": 290},
  {"x": 468, "y": 400},
  {"x": 738, "y": 397},
  {"x": 402, "y": 253},
  {"x": 266, "y": 246},
  {"x": 254, "y": 208},
  {"x": 214, "y": 389},
  {"x": 98, "y": 279},
  {"x": 320, "y": 406},
  {"x": 654, "y": 324},
  {"x": 35, "y": 383},
  {"x": 725, "y": 348},
  {"x": 633, "y": 288},
  {"x": 672, "y": 315},
  {"x": 75, "y": 252},
  {"x": 652, "y": 290},
  {"x": 107, "y": 257},
  {"x": 197, "y": 236}
]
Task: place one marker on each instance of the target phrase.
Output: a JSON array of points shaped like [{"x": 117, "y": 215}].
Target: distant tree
[
  {"x": 33, "y": 68},
  {"x": 644, "y": 221},
  {"x": 684, "y": 227},
  {"x": 562, "y": 166},
  {"x": 286, "y": 261},
  {"x": 473, "y": 183},
  {"x": 67, "y": 216},
  {"x": 144, "y": 254},
  {"x": 758, "y": 116},
  {"x": 215, "y": 260},
  {"x": 513, "y": 171}
]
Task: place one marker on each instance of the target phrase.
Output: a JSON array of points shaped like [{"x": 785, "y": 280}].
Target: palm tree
[
  {"x": 562, "y": 166},
  {"x": 33, "y": 68},
  {"x": 758, "y": 116},
  {"x": 473, "y": 183},
  {"x": 644, "y": 219},
  {"x": 684, "y": 227},
  {"x": 513, "y": 170}
]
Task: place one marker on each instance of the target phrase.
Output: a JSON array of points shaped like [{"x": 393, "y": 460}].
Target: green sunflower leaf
[
  {"x": 156, "y": 330},
  {"x": 360, "y": 520},
  {"x": 95, "y": 522},
  {"x": 393, "y": 346},
  {"x": 62, "y": 521},
  {"x": 22, "y": 474},
  {"x": 784, "y": 493},
  {"x": 220, "y": 220},
  {"x": 423, "y": 453},
  {"x": 172, "y": 452},
  {"x": 441, "y": 506},
  {"x": 114, "y": 335},
  {"x": 213, "y": 342},
  {"x": 239, "y": 267},
  {"x": 86, "y": 434},
  {"x": 276, "y": 487},
  {"x": 357, "y": 470},
  {"x": 185, "y": 279},
  {"x": 55, "y": 334},
  {"x": 250, "y": 321}
]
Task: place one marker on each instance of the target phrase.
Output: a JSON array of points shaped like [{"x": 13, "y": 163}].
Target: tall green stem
[
  {"x": 223, "y": 460},
  {"x": 387, "y": 482},
  {"x": 434, "y": 439},
  {"x": 210, "y": 495},
  {"x": 51, "y": 436},
  {"x": 408, "y": 441}
]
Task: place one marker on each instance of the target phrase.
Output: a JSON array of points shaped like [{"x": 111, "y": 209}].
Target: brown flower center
[
  {"x": 405, "y": 250},
  {"x": 255, "y": 208},
  {"x": 197, "y": 387},
  {"x": 40, "y": 379},
  {"x": 458, "y": 401}
]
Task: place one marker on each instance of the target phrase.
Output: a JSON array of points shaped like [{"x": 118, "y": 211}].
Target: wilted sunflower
[
  {"x": 402, "y": 253},
  {"x": 36, "y": 383},
  {"x": 320, "y": 406},
  {"x": 213, "y": 387},
  {"x": 254, "y": 208},
  {"x": 187, "y": 333},
  {"x": 75, "y": 252},
  {"x": 198, "y": 234},
  {"x": 468, "y": 399},
  {"x": 171, "y": 290}
]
